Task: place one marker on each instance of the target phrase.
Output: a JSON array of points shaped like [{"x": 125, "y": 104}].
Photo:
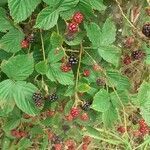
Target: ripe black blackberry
[
  {"x": 56, "y": 139},
  {"x": 30, "y": 38},
  {"x": 86, "y": 105},
  {"x": 38, "y": 99},
  {"x": 136, "y": 55},
  {"x": 65, "y": 128},
  {"x": 100, "y": 82},
  {"x": 53, "y": 97},
  {"x": 146, "y": 30},
  {"x": 73, "y": 60},
  {"x": 134, "y": 119}
]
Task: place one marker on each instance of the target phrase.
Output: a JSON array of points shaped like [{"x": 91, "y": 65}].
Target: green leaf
[
  {"x": 110, "y": 117},
  {"x": 5, "y": 143},
  {"x": 47, "y": 18},
  {"x": 4, "y": 22},
  {"x": 12, "y": 123},
  {"x": 145, "y": 111},
  {"x": 68, "y": 4},
  {"x": 55, "y": 55},
  {"x": 18, "y": 67},
  {"x": 7, "y": 107},
  {"x": 85, "y": 7},
  {"x": 108, "y": 35},
  {"x": 124, "y": 99},
  {"x": 10, "y": 42},
  {"x": 68, "y": 107},
  {"x": 69, "y": 91},
  {"x": 20, "y": 10},
  {"x": 101, "y": 101},
  {"x": 56, "y": 40},
  {"x": 36, "y": 130},
  {"x": 41, "y": 67},
  {"x": 147, "y": 50},
  {"x": 144, "y": 93},
  {"x": 6, "y": 93},
  {"x": 110, "y": 53},
  {"x": 77, "y": 39},
  {"x": 55, "y": 74},
  {"x": 117, "y": 80},
  {"x": 93, "y": 133},
  {"x": 22, "y": 93},
  {"x": 52, "y": 3},
  {"x": 24, "y": 144},
  {"x": 105, "y": 36},
  {"x": 83, "y": 87},
  {"x": 98, "y": 5},
  {"x": 93, "y": 31}
]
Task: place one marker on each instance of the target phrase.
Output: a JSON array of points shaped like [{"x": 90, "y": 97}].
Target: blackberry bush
[{"x": 95, "y": 56}]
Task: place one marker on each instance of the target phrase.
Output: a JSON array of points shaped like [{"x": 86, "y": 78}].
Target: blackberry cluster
[
  {"x": 38, "y": 99},
  {"x": 86, "y": 106},
  {"x": 136, "y": 55},
  {"x": 73, "y": 60},
  {"x": 146, "y": 30},
  {"x": 53, "y": 97}
]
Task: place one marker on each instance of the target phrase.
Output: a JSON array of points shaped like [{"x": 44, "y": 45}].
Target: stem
[
  {"x": 77, "y": 76},
  {"x": 124, "y": 114},
  {"x": 125, "y": 15},
  {"x": 43, "y": 49},
  {"x": 78, "y": 69}
]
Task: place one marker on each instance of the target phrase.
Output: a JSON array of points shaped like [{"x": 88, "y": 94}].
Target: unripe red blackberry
[
  {"x": 50, "y": 113},
  {"x": 69, "y": 117},
  {"x": 127, "y": 60},
  {"x": 86, "y": 72},
  {"x": 73, "y": 27},
  {"x": 128, "y": 42},
  {"x": 70, "y": 144},
  {"x": 84, "y": 117},
  {"x": 121, "y": 129},
  {"x": 84, "y": 147},
  {"x": 66, "y": 67},
  {"x": 137, "y": 133},
  {"x": 87, "y": 140},
  {"x": 58, "y": 147},
  {"x": 146, "y": 30},
  {"x": 144, "y": 130},
  {"x": 78, "y": 17},
  {"x": 24, "y": 44},
  {"x": 97, "y": 67},
  {"x": 74, "y": 112}
]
